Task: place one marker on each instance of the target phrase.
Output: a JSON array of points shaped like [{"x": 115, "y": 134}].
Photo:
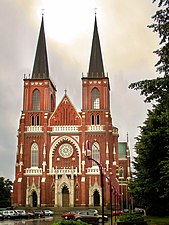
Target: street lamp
[
  {"x": 88, "y": 155},
  {"x": 110, "y": 183}
]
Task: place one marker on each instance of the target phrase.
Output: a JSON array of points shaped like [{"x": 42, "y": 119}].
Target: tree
[
  {"x": 5, "y": 192},
  {"x": 150, "y": 187}
]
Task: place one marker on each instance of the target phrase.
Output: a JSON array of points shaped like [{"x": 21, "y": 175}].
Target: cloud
[{"x": 127, "y": 45}]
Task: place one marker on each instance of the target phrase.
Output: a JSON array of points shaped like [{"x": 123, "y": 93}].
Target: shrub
[{"x": 131, "y": 218}]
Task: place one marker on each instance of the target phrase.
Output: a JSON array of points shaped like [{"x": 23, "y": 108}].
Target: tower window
[
  {"x": 92, "y": 119},
  {"x": 32, "y": 120},
  {"x": 95, "y": 153},
  {"x": 97, "y": 119},
  {"x": 36, "y": 100},
  {"x": 95, "y": 99},
  {"x": 34, "y": 155},
  {"x": 37, "y": 120}
]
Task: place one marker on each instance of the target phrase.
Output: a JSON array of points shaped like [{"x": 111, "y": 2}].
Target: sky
[{"x": 127, "y": 48}]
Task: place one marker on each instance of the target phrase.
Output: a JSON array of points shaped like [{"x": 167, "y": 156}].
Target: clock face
[{"x": 66, "y": 150}]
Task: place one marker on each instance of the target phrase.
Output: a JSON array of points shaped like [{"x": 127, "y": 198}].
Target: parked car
[
  {"x": 9, "y": 214},
  {"x": 39, "y": 213},
  {"x": 140, "y": 211},
  {"x": 30, "y": 213},
  {"x": 126, "y": 210},
  {"x": 117, "y": 213},
  {"x": 92, "y": 211},
  {"x": 89, "y": 217},
  {"x": 69, "y": 215},
  {"x": 48, "y": 212},
  {"x": 1, "y": 216},
  {"x": 22, "y": 214}
]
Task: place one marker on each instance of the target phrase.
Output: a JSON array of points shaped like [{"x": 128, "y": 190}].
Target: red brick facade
[{"x": 51, "y": 164}]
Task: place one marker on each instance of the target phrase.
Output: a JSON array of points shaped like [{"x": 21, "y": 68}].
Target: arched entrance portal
[
  {"x": 65, "y": 197},
  {"x": 96, "y": 197},
  {"x": 34, "y": 199}
]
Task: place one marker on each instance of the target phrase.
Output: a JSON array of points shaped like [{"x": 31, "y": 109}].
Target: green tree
[
  {"x": 150, "y": 186},
  {"x": 5, "y": 192}
]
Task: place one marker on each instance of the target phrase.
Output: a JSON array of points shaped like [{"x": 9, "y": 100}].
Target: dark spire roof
[
  {"x": 40, "y": 68},
  {"x": 96, "y": 69}
]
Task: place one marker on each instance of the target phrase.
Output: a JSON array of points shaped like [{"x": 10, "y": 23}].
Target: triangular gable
[{"x": 65, "y": 114}]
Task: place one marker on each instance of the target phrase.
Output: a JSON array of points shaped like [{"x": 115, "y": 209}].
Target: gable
[{"x": 65, "y": 114}]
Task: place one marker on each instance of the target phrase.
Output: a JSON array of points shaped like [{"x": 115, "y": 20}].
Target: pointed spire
[
  {"x": 40, "y": 68},
  {"x": 96, "y": 69}
]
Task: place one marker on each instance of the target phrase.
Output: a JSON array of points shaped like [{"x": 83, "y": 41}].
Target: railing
[
  {"x": 67, "y": 171},
  {"x": 93, "y": 170},
  {"x": 95, "y": 128},
  {"x": 64, "y": 129},
  {"x": 33, "y": 171},
  {"x": 34, "y": 129}
]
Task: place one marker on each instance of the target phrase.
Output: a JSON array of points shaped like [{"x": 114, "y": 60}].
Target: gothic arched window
[
  {"x": 34, "y": 155},
  {"x": 36, "y": 100},
  {"x": 95, "y": 153},
  {"x": 95, "y": 99},
  {"x": 97, "y": 119},
  {"x": 92, "y": 119},
  {"x": 37, "y": 120},
  {"x": 32, "y": 120}
]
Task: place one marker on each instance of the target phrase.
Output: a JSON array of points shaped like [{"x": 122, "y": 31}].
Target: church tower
[
  {"x": 51, "y": 164},
  {"x": 39, "y": 102},
  {"x": 96, "y": 118}
]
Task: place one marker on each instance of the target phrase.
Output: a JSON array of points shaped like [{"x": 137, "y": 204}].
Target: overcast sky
[{"x": 127, "y": 48}]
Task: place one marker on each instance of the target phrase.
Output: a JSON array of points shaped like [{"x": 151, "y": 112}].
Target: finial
[
  {"x": 43, "y": 12},
  {"x": 95, "y": 9},
  {"x": 65, "y": 92}
]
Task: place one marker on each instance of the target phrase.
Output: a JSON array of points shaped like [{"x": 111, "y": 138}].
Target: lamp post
[
  {"x": 110, "y": 183},
  {"x": 88, "y": 153}
]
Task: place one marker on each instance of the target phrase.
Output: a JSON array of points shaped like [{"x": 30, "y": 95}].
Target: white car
[
  {"x": 9, "y": 214},
  {"x": 48, "y": 212}
]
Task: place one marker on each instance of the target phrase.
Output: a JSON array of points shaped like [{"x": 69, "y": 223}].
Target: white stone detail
[
  {"x": 65, "y": 129},
  {"x": 83, "y": 179},
  {"x": 83, "y": 164},
  {"x": 33, "y": 171},
  {"x": 53, "y": 138},
  {"x": 95, "y": 128},
  {"x": 34, "y": 129},
  {"x": 19, "y": 180},
  {"x": 107, "y": 165},
  {"x": 43, "y": 179},
  {"x": 93, "y": 171},
  {"x": 76, "y": 138},
  {"x": 62, "y": 171}
]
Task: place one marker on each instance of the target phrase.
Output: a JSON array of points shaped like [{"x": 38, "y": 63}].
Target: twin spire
[
  {"x": 41, "y": 69},
  {"x": 96, "y": 69}
]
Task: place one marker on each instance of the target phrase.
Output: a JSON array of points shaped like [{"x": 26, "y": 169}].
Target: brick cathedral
[{"x": 51, "y": 164}]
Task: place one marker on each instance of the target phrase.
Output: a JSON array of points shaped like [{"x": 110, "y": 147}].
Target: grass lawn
[{"x": 158, "y": 220}]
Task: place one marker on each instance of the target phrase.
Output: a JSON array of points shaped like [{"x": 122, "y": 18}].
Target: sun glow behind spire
[{"x": 63, "y": 19}]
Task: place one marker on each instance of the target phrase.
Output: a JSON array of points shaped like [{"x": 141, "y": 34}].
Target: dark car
[
  {"x": 69, "y": 215},
  {"x": 39, "y": 213},
  {"x": 89, "y": 217}
]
